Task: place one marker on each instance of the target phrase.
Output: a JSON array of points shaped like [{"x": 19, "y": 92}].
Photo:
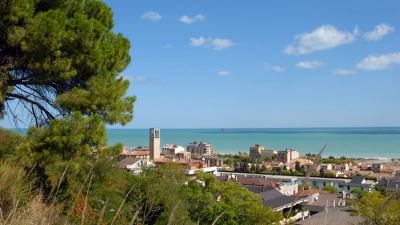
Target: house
[
  {"x": 191, "y": 166},
  {"x": 280, "y": 202},
  {"x": 376, "y": 167},
  {"x": 172, "y": 150},
  {"x": 257, "y": 185},
  {"x": 327, "y": 166},
  {"x": 357, "y": 182},
  {"x": 213, "y": 161},
  {"x": 134, "y": 165},
  {"x": 288, "y": 183},
  {"x": 391, "y": 184},
  {"x": 139, "y": 152},
  {"x": 312, "y": 194},
  {"x": 253, "y": 184}
]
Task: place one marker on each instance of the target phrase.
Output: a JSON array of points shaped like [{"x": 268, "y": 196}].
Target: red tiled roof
[
  {"x": 256, "y": 181},
  {"x": 136, "y": 153}
]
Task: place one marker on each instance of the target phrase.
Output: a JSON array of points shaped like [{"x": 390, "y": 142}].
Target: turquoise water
[{"x": 351, "y": 142}]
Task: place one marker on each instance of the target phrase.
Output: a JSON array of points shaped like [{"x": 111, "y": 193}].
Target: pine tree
[{"x": 60, "y": 56}]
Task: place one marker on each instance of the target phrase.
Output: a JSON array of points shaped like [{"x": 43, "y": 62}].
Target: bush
[
  {"x": 331, "y": 189},
  {"x": 12, "y": 187},
  {"x": 18, "y": 204}
]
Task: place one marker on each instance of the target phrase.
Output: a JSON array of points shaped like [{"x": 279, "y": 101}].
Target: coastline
[{"x": 366, "y": 143}]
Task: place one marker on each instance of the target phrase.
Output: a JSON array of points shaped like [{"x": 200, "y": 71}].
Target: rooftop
[
  {"x": 127, "y": 161},
  {"x": 277, "y": 201},
  {"x": 357, "y": 180},
  {"x": 332, "y": 216}
]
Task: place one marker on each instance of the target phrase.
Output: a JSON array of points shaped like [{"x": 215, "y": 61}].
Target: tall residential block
[
  {"x": 287, "y": 155},
  {"x": 255, "y": 151},
  {"x": 155, "y": 145},
  {"x": 200, "y": 148}
]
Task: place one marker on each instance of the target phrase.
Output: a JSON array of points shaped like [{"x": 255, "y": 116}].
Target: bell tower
[{"x": 155, "y": 145}]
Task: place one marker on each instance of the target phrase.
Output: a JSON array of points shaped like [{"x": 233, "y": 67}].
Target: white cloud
[
  {"x": 215, "y": 43},
  {"x": 224, "y": 73},
  {"x": 324, "y": 37},
  {"x": 222, "y": 43},
  {"x": 309, "y": 64},
  {"x": 199, "y": 42},
  {"x": 275, "y": 68},
  {"x": 379, "y": 31},
  {"x": 379, "y": 62},
  {"x": 344, "y": 72},
  {"x": 189, "y": 20},
  {"x": 152, "y": 16}
]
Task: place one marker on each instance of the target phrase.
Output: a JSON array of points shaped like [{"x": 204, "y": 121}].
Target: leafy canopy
[
  {"x": 60, "y": 56},
  {"x": 378, "y": 209}
]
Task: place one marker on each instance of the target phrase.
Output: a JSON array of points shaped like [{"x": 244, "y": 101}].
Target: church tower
[{"x": 155, "y": 143}]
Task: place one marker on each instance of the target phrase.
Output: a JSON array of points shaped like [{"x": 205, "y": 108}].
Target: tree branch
[{"x": 26, "y": 99}]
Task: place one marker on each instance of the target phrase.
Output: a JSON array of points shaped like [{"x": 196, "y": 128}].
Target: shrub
[{"x": 331, "y": 189}]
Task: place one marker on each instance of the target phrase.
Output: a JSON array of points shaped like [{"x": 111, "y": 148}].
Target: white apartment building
[{"x": 172, "y": 150}]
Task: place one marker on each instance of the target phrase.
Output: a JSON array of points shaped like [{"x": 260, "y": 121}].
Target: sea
[{"x": 366, "y": 142}]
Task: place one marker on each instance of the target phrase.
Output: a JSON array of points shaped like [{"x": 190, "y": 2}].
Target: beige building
[
  {"x": 258, "y": 151},
  {"x": 287, "y": 155},
  {"x": 268, "y": 153},
  {"x": 155, "y": 145},
  {"x": 200, "y": 148},
  {"x": 255, "y": 151}
]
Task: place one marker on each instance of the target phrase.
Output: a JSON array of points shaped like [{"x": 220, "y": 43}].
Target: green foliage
[
  {"x": 298, "y": 166},
  {"x": 305, "y": 186},
  {"x": 8, "y": 143},
  {"x": 378, "y": 209},
  {"x": 64, "y": 156},
  {"x": 61, "y": 60},
  {"x": 61, "y": 56},
  {"x": 360, "y": 193},
  {"x": 160, "y": 195},
  {"x": 297, "y": 173},
  {"x": 13, "y": 186},
  {"x": 337, "y": 161},
  {"x": 331, "y": 189},
  {"x": 237, "y": 205},
  {"x": 19, "y": 204},
  {"x": 368, "y": 177},
  {"x": 286, "y": 172},
  {"x": 329, "y": 174},
  {"x": 68, "y": 163}
]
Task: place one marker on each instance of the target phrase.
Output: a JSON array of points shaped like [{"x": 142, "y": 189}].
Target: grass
[{"x": 19, "y": 204}]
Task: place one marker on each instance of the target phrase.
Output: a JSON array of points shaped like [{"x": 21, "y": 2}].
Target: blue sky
[{"x": 208, "y": 63}]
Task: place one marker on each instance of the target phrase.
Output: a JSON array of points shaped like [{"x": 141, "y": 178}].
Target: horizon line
[{"x": 184, "y": 128}]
